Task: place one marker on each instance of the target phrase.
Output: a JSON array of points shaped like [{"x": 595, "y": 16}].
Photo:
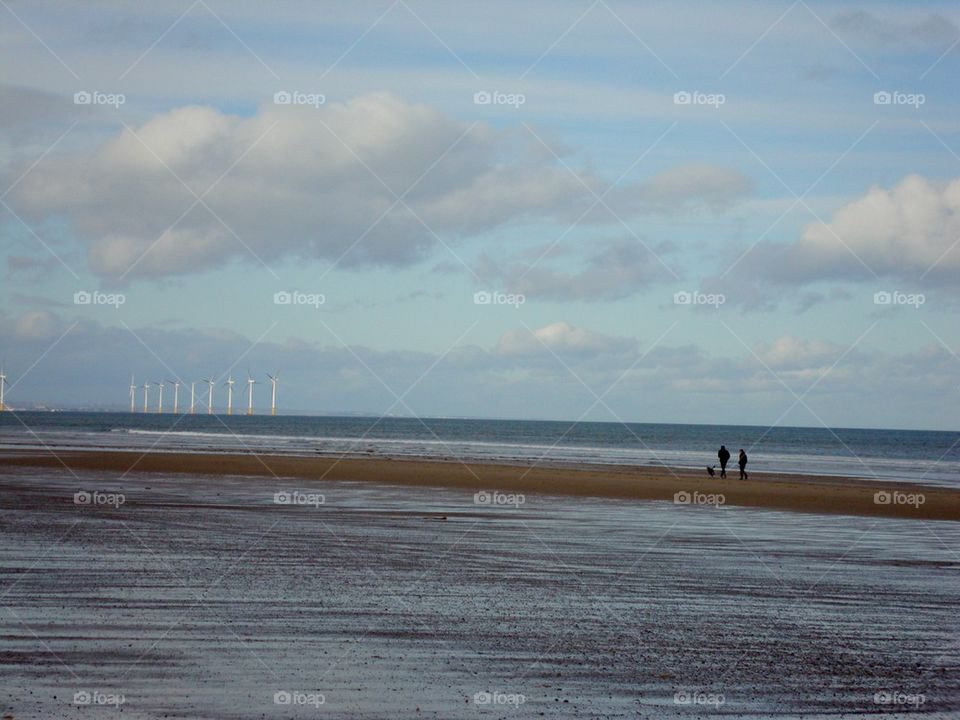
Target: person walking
[
  {"x": 723, "y": 455},
  {"x": 743, "y": 465}
]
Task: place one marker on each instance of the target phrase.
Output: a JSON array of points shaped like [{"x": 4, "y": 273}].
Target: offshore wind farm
[{"x": 194, "y": 408}]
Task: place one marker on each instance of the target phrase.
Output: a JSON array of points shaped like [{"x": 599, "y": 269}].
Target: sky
[{"x": 703, "y": 212}]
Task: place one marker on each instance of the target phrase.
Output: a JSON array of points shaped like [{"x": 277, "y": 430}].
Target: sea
[{"x": 921, "y": 456}]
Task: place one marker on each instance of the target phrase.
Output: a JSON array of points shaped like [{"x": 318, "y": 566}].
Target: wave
[
  {"x": 505, "y": 448},
  {"x": 589, "y": 450}
]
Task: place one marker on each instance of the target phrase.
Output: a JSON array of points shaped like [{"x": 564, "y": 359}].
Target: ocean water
[{"x": 919, "y": 456}]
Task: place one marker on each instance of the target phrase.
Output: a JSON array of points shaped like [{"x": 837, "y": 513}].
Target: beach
[
  {"x": 811, "y": 494},
  {"x": 231, "y": 595},
  {"x": 479, "y": 361}
]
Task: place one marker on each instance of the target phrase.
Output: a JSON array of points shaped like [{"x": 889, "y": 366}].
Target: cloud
[
  {"x": 810, "y": 299},
  {"x": 36, "y": 325},
  {"x": 22, "y": 108},
  {"x": 560, "y": 338},
  {"x": 616, "y": 269},
  {"x": 196, "y": 188},
  {"x": 19, "y": 266},
  {"x": 792, "y": 353},
  {"x": 36, "y": 301},
  {"x": 684, "y": 188},
  {"x": 93, "y": 362},
  {"x": 934, "y": 32},
  {"x": 291, "y": 181},
  {"x": 902, "y": 232}
]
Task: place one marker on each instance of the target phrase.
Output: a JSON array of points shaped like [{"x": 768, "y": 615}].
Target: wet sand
[
  {"x": 201, "y": 597},
  {"x": 811, "y": 494}
]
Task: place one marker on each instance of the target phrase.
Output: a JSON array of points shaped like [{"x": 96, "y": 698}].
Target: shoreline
[
  {"x": 797, "y": 493},
  {"x": 336, "y": 456}
]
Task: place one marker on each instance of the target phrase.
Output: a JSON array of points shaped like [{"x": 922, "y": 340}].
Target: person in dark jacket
[
  {"x": 743, "y": 465},
  {"x": 723, "y": 455}
]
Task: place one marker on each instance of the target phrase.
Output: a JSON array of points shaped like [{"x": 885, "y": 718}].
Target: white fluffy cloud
[
  {"x": 194, "y": 188},
  {"x": 291, "y": 181},
  {"x": 907, "y": 231}
]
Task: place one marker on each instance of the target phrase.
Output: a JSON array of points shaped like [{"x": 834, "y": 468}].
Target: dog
[{"x": 710, "y": 471}]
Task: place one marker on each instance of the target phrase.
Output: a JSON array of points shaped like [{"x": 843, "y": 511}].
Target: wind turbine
[
  {"x": 209, "y": 382},
  {"x": 273, "y": 392},
  {"x": 160, "y": 403},
  {"x": 133, "y": 396},
  {"x": 193, "y": 386},
  {"x": 146, "y": 394},
  {"x": 250, "y": 383},
  {"x": 176, "y": 394},
  {"x": 230, "y": 382},
  {"x": 3, "y": 381}
]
